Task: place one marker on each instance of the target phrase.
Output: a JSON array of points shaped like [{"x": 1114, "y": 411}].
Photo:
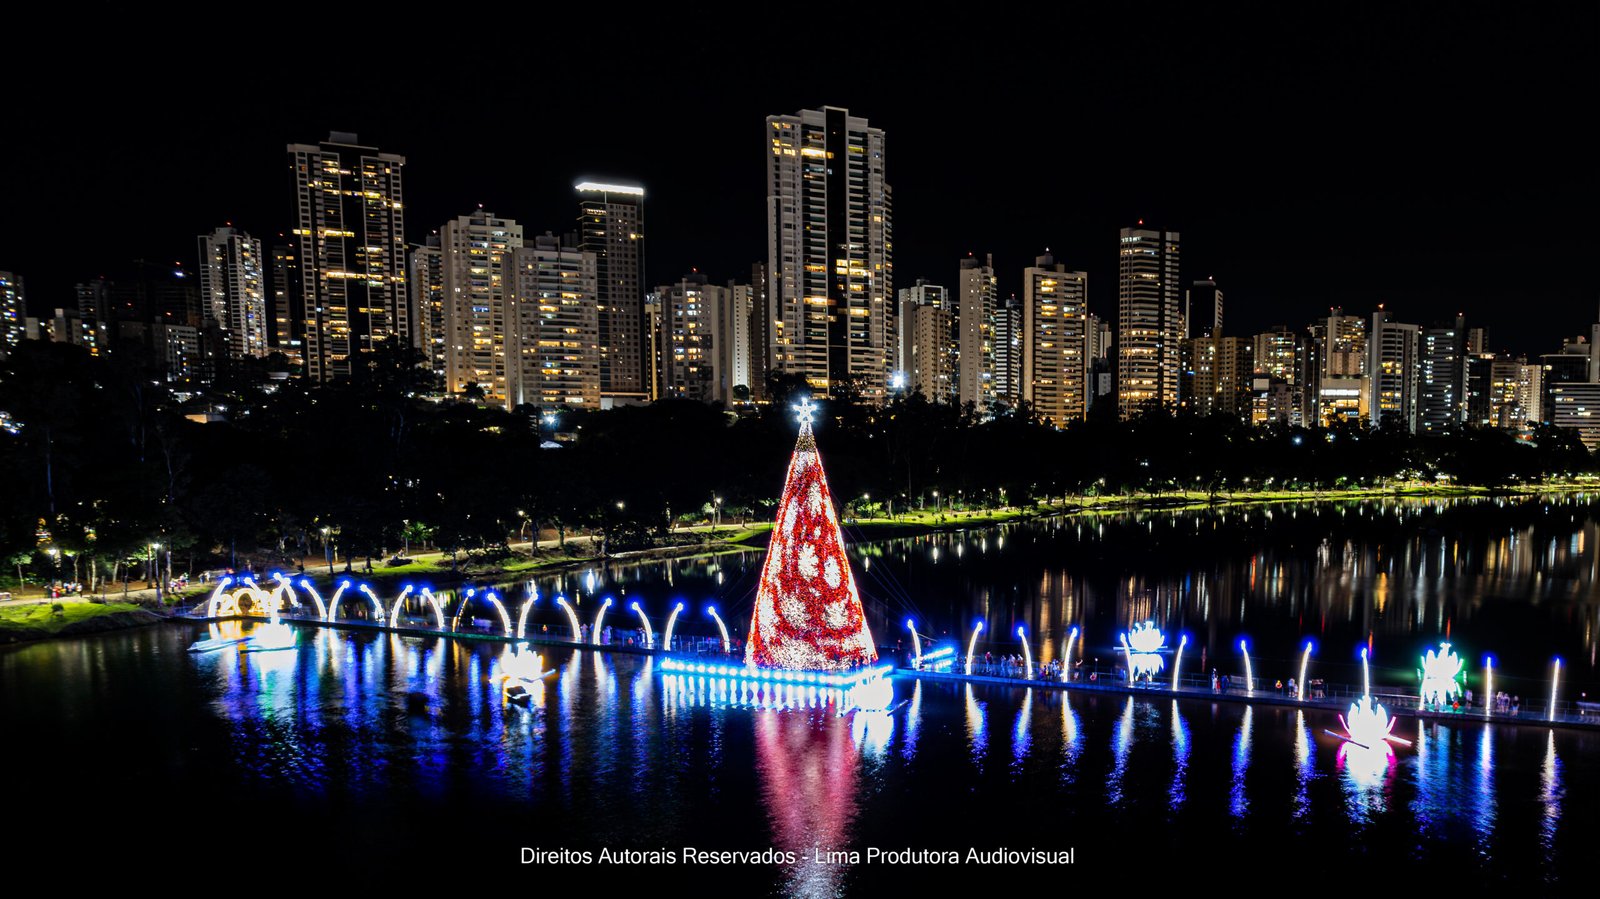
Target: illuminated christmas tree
[{"x": 808, "y": 613}]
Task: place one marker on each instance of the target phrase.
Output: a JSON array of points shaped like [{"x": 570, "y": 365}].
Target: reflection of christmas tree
[{"x": 808, "y": 613}]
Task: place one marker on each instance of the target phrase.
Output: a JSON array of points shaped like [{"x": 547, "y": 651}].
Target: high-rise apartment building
[
  {"x": 350, "y": 211},
  {"x": 1008, "y": 338},
  {"x": 1340, "y": 369},
  {"x": 1202, "y": 309},
  {"x": 1442, "y": 388},
  {"x": 1221, "y": 376},
  {"x": 428, "y": 303},
  {"x": 760, "y": 331},
  {"x": 553, "y": 345},
  {"x": 1514, "y": 394},
  {"x": 1273, "y": 354},
  {"x": 13, "y": 312},
  {"x": 477, "y": 250},
  {"x": 1392, "y": 394},
  {"x": 233, "y": 290},
  {"x": 829, "y": 250},
  {"x": 978, "y": 345},
  {"x": 704, "y": 339},
  {"x": 611, "y": 226},
  {"x": 288, "y": 327},
  {"x": 1055, "y": 362},
  {"x": 929, "y": 345},
  {"x": 1149, "y": 320}
]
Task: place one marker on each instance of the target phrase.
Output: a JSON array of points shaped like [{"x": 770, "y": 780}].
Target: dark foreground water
[{"x": 393, "y": 761}]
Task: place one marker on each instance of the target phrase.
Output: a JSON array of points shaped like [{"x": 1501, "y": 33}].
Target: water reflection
[
  {"x": 1551, "y": 794},
  {"x": 615, "y": 750},
  {"x": 1304, "y": 767},
  {"x": 1022, "y": 734},
  {"x": 1121, "y": 743},
  {"x": 977, "y": 736},
  {"x": 808, "y": 768},
  {"x": 1238, "y": 802},
  {"x": 1071, "y": 742}
]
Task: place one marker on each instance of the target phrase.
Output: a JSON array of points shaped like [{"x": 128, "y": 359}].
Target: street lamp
[
  {"x": 150, "y": 556},
  {"x": 327, "y": 549},
  {"x": 55, "y": 556},
  {"x": 936, "y": 506},
  {"x": 716, "y": 511}
]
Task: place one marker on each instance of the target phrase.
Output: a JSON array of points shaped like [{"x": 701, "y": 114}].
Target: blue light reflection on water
[{"x": 615, "y": 750}]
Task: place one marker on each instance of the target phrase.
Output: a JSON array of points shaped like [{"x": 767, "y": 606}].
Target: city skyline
[{"x": 1335, "y": 163}]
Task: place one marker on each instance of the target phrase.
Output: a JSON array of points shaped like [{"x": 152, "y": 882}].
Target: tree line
[{"x": 102, "y": 462}]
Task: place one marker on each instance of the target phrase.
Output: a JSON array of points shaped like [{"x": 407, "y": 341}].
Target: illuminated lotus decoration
[
  {"x": 1145, "y": 643},
  {"x": 1441, "y": 675},
  {"x": 1368, "y": 724}
]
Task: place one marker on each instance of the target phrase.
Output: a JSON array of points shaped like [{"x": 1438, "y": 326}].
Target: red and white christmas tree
[{"x": 808, "y": 613}]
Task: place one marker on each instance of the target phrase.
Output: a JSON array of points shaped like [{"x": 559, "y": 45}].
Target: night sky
[{"x": 1430, "y": 159}]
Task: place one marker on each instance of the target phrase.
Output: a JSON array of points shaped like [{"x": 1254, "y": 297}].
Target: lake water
[{"x": 395, "y": 758}]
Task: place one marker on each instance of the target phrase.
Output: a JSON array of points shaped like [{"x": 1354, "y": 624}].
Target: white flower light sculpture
[
  {"x": 1368, "y": 724},
  {"x": 1441, "y": 673},
  {"x": 1146, "y": 642}
]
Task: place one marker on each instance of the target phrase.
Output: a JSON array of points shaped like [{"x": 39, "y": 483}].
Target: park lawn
[{"x": 37, "y": 617}]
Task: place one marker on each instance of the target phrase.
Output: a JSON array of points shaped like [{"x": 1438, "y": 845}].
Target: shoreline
[{"x": 753, "y": 538}]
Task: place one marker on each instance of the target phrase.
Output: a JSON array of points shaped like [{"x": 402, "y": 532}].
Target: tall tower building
[
  {"x": 1055, "y": 367},
  {"x": 1222, "y": 381},
  {"x": 611, "y": 226},
  {"x": 13, "y": 312},
  {"x": 233, "y": 289},
  {"x": 553, "y": 344},
  {"x": 1443, "y": 376},
  {"x": 288, "y": 327},
  {"x": 734, "y": 343},
  {"x": 928, "y": 344},
  {"x": 1340, "y": 375},
  {"x": 760, "y": 331},
  {"x": 476, "y": 289},
  {"x": 1202, "y": 309},
  {"x": 1149, "y": 320},
  {"x": 829, "y": 247},
  {"x": 687, "y": 338},
  {"x": 428, "y": 302},
  {"x": 1273, "y": 354},
  {"x": 704, "y": 338},
  {"x": 1392, "y": 372},
  {"x": 979, "y": 343},
  {"x": 351, "y": 234},
  {"x": 1008, "y": 337}
]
